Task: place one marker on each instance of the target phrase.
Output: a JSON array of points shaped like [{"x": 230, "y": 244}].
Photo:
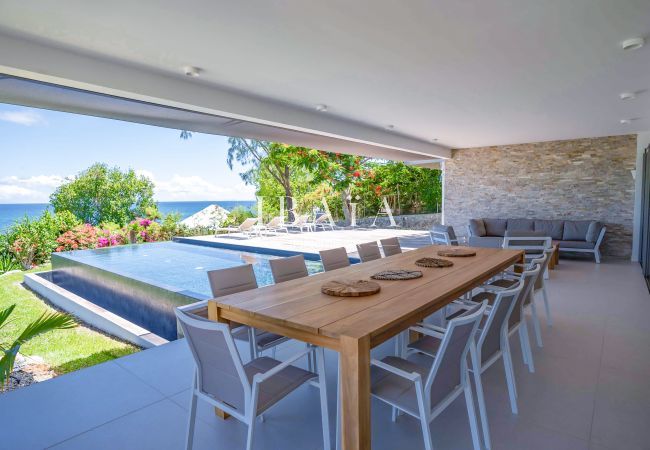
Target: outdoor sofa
[{"x": 583, "y": 236}]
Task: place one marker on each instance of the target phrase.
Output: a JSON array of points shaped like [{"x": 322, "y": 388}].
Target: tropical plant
[
  {"x": 237, "y": 216},
  {"x": 45, "y": 323},
  {"x": 103, "y": 194},
  {"x": 80, "y": 237},
  {"x": 8, "y": 261}
]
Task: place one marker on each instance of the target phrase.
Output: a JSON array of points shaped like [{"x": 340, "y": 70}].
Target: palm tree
[{"x": 47, "y": 322}]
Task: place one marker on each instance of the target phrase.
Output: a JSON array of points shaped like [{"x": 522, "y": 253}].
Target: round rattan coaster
[
  {"x": 397, "y": 274},
  {"x": 457, "y": 252},
  {"x": 433, "y": 262},
  {"x": 350, "y": 288}
]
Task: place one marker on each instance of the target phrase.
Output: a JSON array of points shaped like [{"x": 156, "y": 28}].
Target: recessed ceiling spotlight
[
  {"x": 627, "y": 96},
  {"x": 192, "y": 71},
  {"x": 626, "y": 121},
  {"x": 633, "y": 43},
  {"x": 434, "y": 140},
  {"x": 321, "y": 108},
  {"x": 390, "y": 127}
]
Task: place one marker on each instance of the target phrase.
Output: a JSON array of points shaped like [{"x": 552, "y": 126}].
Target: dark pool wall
[{"x": 145, "y": 304}]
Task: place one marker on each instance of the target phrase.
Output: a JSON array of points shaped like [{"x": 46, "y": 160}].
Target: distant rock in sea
[{"x": 211, "y": 217}]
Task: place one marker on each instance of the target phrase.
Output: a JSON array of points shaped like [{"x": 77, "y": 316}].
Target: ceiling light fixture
[
  {"x": 434, "y": 140},
  {"x": 626, "y": 121},
  {"x": 390, "y": 127},
  {"x": 321, "y": 108},
  {"x": 633, "y": 43},
  {"x": 627, "y": 96},
  {"x": 192, "y": 71}
]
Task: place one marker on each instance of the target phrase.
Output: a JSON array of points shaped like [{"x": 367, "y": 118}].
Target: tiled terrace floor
[{"x": 590, "y": 389}]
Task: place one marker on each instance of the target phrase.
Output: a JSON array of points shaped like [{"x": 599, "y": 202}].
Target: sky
[{"x": 39, "y": 149}]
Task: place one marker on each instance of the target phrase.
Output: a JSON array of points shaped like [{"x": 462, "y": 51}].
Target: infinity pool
[{"x": 144, "y": 283}]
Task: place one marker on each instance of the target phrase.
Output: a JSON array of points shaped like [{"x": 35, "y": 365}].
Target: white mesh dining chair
[
  {"x": 368, "y": 251},
  {"x": 245, "y": 391},
  {"x": 540, "y": 285},
  {"x": 335, "y": 258},
  {"x": 517, "y": 321},
  {"x": 290, "y": 268},
  {"x": 443, "y": 235},
  {"x": 492, "y": 345},
  {"x": 425, "y": 391},
  {"x": 239, "y": 279},
  {"x": 391, "y": 246}
]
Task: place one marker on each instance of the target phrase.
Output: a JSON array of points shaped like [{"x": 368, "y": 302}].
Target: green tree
[
  {"x": 103, "y": 194},
  {"x": 266, "y": 158}
]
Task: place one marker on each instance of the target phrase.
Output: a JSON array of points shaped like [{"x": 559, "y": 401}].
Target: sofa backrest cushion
[
  {"x": 593, "y": 231},
  {"x": 575, "y": 230},
  {"x": 552, "y": 228},
  {"x": 477, "y": 227},
  {"x": 520, "y": 225},
  {"x": 495, "y": 227}
]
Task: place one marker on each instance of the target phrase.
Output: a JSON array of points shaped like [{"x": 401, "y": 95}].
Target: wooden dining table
[{"x": 352, "y": 326}]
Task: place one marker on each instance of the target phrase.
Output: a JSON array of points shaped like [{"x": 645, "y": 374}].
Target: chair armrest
[
  {"x": 430, "y": 330},
  {"x": 413, "y": 376},
  {"x": 260, "y": 377},
  {"x": 490, "y": 289}
]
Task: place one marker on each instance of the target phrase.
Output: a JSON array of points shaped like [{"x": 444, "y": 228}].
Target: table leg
[
  {"x": 355, "y": 393},
  {"x": 213, "y": 314}
]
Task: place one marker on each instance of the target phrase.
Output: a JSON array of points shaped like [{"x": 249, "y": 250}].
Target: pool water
[{"x": 180, "y": 267}]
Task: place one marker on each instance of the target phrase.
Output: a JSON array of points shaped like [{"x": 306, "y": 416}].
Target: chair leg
[
  {"x": 252, "y": 413},
  {"x": 191, "y": 422},
  {"x": 424, "y": 417},
  {"x": 597, "y": 256},
  {"x": 547, "y": 306},
  {"x": 322, "y": 385},
  {"x": 476, "y": 369},
  {"x": 536, "y": 326},
  {"x": 252, "y": 345},
  {"x": 471, "y": 413},
  {"x": 510, "y": 376},
  {"x": 524, "y": 353},
  {"x": 526, "y": 342}
]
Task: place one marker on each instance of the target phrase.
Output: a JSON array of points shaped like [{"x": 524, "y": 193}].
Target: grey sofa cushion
[
  {"x": 520, "y": 225},
  {"x": 477, "y": 227},
  {"x": 593, "y": 231},
  {"x": 495, "y": 227},
  {"x": 552, "y": 228},
  {"x": 576, "y": 244},
  {"x": 486, "y": 241},
  {"x": 575, "y": 230}
]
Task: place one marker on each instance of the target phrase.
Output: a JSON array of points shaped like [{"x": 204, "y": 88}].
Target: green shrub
[{"x": 237, "y": 216}]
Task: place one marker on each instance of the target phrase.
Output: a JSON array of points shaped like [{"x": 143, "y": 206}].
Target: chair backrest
[
  {"x": 232, "y": 280},
  {"x": 543, "y": 261},
  {"x": 391, "y": 246},
  {"x": 248, "y": 223},
  {"x": 323, "y": 218},
  {"x": 450, "y": 363},
  {"x": 528, "y": 241},
  {"x": 496, "y": 324},
  {"x": 285, "y": 269},
  {"x": 275, "y": 222},
  {"x": 368, "y": 251},
  {"x": 220, "y": 372},
  {"x": 335, "y": 258},
  {"x": 528, "y": 277},
  {"x": 443, "y": 234}
]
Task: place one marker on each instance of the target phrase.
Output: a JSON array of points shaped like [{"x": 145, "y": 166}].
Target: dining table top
[{"x": 299, "y": 309}]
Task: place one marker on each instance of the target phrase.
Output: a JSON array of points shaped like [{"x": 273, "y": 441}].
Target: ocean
[{"x": 9, "y": 213}]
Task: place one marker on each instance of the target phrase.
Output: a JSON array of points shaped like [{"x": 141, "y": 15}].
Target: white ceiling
[{"x": 468, "y": 72}]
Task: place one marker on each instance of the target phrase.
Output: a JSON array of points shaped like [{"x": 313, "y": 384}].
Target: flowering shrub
[
  {"x": 24, "y": 249},
  {"x": 79, "y": 238}
]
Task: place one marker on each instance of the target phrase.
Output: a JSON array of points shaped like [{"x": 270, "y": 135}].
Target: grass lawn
[{"x": 64, "y": 350}]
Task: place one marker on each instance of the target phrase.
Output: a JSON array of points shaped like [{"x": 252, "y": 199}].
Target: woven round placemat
[
  {"x": 350, "y": 288},
  {"x": 397, "y": 274},
  {"x": 457, "y": 252},
  {"x": 433, "y": 262}
]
